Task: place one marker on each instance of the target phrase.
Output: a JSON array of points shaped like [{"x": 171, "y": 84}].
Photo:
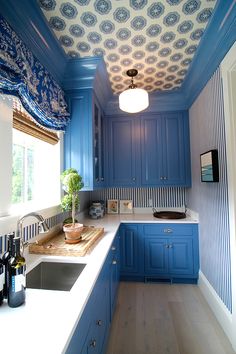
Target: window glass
[{"x": 35, "y": 171}]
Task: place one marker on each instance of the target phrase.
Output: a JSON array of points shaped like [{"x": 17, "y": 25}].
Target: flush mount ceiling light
[{"x": 133, "y": 99}]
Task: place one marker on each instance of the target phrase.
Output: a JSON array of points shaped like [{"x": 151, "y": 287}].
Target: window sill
[{"x": 8, "y": 223}]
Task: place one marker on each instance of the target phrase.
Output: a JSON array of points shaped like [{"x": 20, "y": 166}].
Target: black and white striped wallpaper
[
  {"x": 145, "y": 197},
  {"x": 31, "y": 231},
  {"x": 210, "y": 200}
]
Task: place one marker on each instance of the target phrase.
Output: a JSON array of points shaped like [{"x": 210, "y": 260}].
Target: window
[
  {"x": 35, "y": 171},
  {"x": 30, "y": 163},
  {"x": 23, "y": 163}
]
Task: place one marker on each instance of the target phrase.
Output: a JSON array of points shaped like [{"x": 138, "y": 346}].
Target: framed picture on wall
[
  {"x": 112, "y": 206},
  {"x": 126, "y": 206},
  {"x": 209, "y": 166}
]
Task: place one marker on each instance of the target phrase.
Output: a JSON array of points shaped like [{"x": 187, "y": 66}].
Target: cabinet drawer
[{"x": 168, "y": 230}]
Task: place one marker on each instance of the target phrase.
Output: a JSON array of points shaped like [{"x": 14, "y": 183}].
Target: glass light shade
[{"x": 133, "y": 100}]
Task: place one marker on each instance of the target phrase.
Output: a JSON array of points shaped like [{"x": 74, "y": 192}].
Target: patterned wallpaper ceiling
[{"x": 158, "y": 38}]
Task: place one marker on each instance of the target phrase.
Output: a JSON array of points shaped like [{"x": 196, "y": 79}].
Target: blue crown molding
[
  {"x": 158, "y": 102},
  {"x": 28, "y": 21},
  {"x": 219, "y": 36},
  {"x": 88, "y": 73}
]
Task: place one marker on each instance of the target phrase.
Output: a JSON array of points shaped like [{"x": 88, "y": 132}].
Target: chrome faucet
[{"x": 42, "y": 226}]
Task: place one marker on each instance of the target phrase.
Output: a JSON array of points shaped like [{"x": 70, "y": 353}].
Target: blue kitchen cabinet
[
  {"x": 159, "y": 252},
  {"x": 171, "y": 252},
  {"x": 131, "y": 265},
  {"x": 114, "y": 273},
  {"x": 148, "y": 150},
  {"x": 99, "y": 171},
  {"x": 165, "y": 150},
  {"x": 91, "y": 333},
  {"x": 151, "y": 151},
  {"x": 156, "y": 257},
  {"x": 123, "y": 136},
  {"x": 84, "y": 138}
]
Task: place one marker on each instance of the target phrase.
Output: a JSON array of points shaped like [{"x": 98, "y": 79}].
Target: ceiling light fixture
[{"x": 133, "y": 99}]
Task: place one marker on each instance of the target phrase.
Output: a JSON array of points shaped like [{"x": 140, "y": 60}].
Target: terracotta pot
[{"x": 73, "y": 232}]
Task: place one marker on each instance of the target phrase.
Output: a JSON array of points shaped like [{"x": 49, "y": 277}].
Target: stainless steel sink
[{"x": 54, "y": 276}]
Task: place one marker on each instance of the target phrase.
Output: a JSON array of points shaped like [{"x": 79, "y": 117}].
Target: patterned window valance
[{"x": 22, "y": 75}]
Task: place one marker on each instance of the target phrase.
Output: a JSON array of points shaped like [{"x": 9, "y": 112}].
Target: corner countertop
[{"x": 46, "y": 322}]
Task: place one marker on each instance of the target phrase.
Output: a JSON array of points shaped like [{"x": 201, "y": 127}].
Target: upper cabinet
[
  {"x": 118, "y": 150},
  {"x": 165, "y": 150},
  {"x": 123, "y": 133},
  {"x": 98, "y": 145},
  {"x": 148, "y": 150},
  {"x": 84, "y": 139},
  {"x": 87, "y": 89}
]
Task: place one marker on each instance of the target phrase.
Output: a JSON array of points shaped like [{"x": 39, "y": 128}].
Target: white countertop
[{"x": 45, "y": 323}]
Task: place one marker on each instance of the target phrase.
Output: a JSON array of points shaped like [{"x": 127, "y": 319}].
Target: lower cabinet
[
  {"x": 131, "y": 252},
  {"x": 140, "y": 252},
  {"x": 159, "y": 252},
  {"x": 170, "y": 257},
  {"x": 92, "y": 331},
  {"x": 114, "y": 274}
]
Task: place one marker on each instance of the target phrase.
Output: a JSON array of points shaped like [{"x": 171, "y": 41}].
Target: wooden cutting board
[{"x": 55, "y": 244}]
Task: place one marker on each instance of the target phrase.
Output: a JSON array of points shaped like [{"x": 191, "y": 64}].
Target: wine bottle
[
  {"x": 5, "y": 258},
  {"x": 16, "y": 269},
  {"x": 1, "y": 281}
]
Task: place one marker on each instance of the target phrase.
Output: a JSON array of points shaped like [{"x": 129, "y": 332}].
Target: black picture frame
[{"x": 209, "y": 166}]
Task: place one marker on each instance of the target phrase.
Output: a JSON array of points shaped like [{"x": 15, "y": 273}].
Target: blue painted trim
[
  {"x": 27, "y": 19},
  {"x": 219, "y": 36},
  {"x": 158, "y": 102},
  {"x": 88, "y": 73}
]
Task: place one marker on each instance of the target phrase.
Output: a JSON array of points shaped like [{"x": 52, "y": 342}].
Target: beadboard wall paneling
[
  {"x": 171, "y": 197},
  {"x": 210, "y": 200}
]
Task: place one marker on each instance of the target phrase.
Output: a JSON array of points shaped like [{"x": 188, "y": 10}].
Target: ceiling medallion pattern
[{"x": 158, "y": 38}]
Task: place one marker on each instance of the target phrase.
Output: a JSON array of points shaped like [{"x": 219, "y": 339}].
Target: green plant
[{"x": 72, "y": 183}]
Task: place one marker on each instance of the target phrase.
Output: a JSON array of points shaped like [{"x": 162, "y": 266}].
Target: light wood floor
[{"x": 164, "y": 319}]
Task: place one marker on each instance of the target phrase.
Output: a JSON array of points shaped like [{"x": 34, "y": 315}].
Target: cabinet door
[
  {"x": 98, "y": 146},
  {"x": 181, "y": 260},
  {"x": 165, "y": 150},
  {"x": 114, "y": 273},
  {"x": 156, "y": 256},
  {"x": 152, "y": 151},
  {"x": 175, "y": 152},
  {"x": 129, "y": 249},
  {"x": 78, "y": 138},
  {"x": 123, "y": 135}
]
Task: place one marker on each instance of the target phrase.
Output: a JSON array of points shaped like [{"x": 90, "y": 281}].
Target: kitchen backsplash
[
  {"x": 171, "y": 197},
  {"x": 31, "y": 231},
  {"x": 141, "y": 197}
]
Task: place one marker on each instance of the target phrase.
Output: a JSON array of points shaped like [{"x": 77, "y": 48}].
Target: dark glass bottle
[
  {"x": 5, "y": 258},
  {"x": 1, "y": 281},
  {"x": 16, "y": 269}
]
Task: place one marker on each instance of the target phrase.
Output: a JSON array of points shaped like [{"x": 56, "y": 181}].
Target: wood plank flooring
[{"x": 164, "y": 319}]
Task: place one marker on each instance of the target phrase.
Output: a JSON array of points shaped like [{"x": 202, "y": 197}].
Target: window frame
[{"x": 8, "y": 220}]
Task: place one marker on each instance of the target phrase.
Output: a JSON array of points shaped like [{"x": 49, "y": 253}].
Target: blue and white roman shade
[{"x": 22, "y": 75}]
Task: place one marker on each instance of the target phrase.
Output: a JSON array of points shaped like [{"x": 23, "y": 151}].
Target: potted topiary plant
[{"x": 72, "y": 183}]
